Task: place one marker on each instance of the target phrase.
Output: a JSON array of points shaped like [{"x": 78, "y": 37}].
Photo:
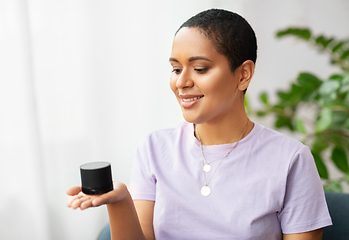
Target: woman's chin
[{"x": 190, "y": 118}]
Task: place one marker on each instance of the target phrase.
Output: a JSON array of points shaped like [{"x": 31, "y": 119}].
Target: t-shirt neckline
[{"x": 190, "y": 134}]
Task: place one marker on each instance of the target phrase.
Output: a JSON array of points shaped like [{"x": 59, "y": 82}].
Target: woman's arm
[
  {"x": 145, "y": 211},
  {"x": 123, "y": 218},
  {"x": 312, "y": 235}
]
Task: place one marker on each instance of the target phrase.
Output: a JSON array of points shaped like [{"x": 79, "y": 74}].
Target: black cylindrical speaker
[{"x": 96, "y": 178}]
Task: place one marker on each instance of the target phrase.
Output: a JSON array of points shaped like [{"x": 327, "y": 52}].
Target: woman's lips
[{"x": 190, "y": 100}]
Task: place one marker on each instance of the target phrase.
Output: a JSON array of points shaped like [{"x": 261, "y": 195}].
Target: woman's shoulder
[
  {"x": 270, "y": 144},
  {"x": 271, "y": 138}
]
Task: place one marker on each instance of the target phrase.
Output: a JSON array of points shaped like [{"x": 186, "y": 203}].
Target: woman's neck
[{"x": 223, "y": 132}]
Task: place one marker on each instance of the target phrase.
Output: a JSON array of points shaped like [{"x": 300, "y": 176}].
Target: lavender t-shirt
[{"x": 268, "y": 185}]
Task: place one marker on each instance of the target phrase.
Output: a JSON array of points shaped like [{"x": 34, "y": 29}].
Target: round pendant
[
  {"x": 205, "y": 191},
  {"x": 207, "y": 168}
]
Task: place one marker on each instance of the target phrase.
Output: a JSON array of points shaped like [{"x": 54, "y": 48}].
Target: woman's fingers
[
  {"x": 102, "y": 199},
  {"x": 76, "y": 203},
  {"x": 86, "y": 204},
  {"x": 73, "y": 202},
  {"x": 80, "y": 201},
  {"x": 115, "y": 195},
  {"x": 74, "y": 191},
  {"x": 83, "y": 201}
]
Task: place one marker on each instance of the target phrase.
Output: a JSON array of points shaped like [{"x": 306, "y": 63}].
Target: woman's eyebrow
[
  {"x": 173, "y": 60},
  {"x": 191, "y": 59}
]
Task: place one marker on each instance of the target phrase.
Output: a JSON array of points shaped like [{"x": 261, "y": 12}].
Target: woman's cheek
[{"x": 173, "y": 83}]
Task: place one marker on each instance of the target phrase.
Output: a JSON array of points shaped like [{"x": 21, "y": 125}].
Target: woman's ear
[{"x": 247, "y": 70}]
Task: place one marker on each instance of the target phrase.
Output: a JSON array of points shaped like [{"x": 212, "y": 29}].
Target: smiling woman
[
  {"x": 203, "y": 82},
  {"x": 218, "y": 175}
]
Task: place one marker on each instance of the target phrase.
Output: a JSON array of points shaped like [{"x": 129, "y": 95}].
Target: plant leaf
[
  {"x": 339, "y": 158},
  {"x": 284, "y": 96},
  {"x": 339, "y": 118},
  {"x": 325, "y": 120},
  {"x": 309, "y": 95},
  {"x": 261, "y": 113},
  {"x": 319, "y": 144},
  {"x": 345, "y": 84},
  {"x": 346, "y": 124},
  {"x": 323, "y": 41},
  {"x": 247, "y": 104},
  {"x": 329, "y": 88},
  {"x": 300, "y": 125},
  {"x": 336, "y": 138},
  {"x": 333, "y": 186},
  {"x": 302, "y": 33},
  {"x": 337, "y": 47},
  {"x": 345, "y": 55},
  {"x": 277, "y": 108},
  {"x": 283, "y": 121},
  {"x": 264, "y": 98},
  {"x": 308, "y": 80},
  {"x": 336, "y": 77},
  {"x": 321, "y": 167}
]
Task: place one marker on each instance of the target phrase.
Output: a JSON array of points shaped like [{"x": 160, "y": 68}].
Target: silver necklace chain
[{"x": 205, "y": 190}]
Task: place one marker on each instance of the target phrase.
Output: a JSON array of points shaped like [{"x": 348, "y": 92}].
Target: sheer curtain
[
  {"x": 81, "y": 81},
  {"x": 84, "y": 81},
  {"x": 23, "y": 205}
]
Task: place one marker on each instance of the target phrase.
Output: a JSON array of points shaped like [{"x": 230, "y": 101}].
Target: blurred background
[{"x": 84, "y": 81}]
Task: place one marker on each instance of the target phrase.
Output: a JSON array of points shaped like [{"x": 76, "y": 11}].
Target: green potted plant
[{"x": 327, "y": 131}]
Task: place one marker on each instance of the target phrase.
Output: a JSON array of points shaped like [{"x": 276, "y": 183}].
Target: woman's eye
[
  {"x": 176, "y": 70},
  {"x": 200, "y": 70}
]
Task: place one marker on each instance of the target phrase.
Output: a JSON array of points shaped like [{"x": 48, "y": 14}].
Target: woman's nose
[{"x": 184, "y": 80}]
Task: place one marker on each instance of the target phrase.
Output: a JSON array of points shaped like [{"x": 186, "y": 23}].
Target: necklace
[{"x": 206, "y": 190}]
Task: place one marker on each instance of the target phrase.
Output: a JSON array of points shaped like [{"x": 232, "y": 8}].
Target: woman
[{"x": 218, "y": 175}]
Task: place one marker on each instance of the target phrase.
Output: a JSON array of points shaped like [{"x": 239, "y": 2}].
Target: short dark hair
[{"x": 230, "y": 34}]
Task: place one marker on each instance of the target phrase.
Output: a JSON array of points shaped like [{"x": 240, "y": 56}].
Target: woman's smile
[{"x": 189, "y": 100}]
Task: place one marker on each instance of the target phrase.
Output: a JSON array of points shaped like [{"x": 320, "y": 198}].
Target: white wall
[{"x": 83, "y": 81}]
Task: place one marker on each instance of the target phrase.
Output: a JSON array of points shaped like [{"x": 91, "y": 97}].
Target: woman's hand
[
  {"x": 84, "y": 201},
  {"x": 123, "y": 218}
]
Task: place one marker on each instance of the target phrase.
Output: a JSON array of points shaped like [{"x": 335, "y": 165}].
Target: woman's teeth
[{"x": 191, "y": 99}]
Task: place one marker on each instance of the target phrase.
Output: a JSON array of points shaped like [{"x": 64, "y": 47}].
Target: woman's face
[{"x": 204, "y": 85}]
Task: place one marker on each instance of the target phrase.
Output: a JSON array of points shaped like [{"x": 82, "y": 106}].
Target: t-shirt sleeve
[
  {"x": 305, "y": 207},
  {"x": 143, "y": 180}
]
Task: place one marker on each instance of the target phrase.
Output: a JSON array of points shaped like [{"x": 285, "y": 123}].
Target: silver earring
[{"x": 243, "y": 85}]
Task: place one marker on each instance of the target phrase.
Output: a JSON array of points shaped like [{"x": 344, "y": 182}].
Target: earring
[{"x": 243, "y": 85}]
